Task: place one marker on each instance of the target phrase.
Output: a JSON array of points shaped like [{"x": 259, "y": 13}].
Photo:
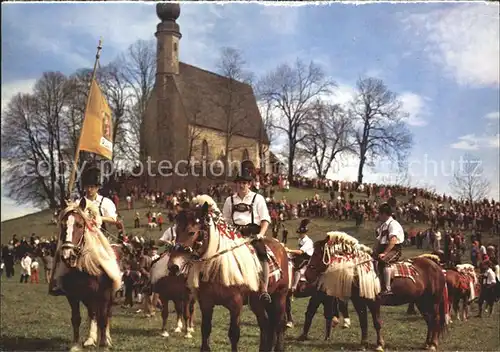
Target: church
[{"x": 194, "y": 118}]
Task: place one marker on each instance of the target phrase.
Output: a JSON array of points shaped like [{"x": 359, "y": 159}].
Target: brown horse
[
  {"x": 173, "y": 288},
  {"x": 345, "y": 269},
  {"x": 461, "y": 282},
  {"x": 225, "y": 271},
  {"x": 91, "y": 273}
]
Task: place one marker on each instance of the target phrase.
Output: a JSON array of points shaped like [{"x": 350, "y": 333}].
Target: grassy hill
[{"x": 32, "y": 320}]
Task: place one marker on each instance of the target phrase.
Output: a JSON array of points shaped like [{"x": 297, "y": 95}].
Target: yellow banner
[{"x": 97, "y": 131}]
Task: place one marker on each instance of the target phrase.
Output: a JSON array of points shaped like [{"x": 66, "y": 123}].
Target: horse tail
[{"x": 444, "y": 310}]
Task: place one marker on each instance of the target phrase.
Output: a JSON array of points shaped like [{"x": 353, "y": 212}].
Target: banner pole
[{"x": 77, "y": 152}]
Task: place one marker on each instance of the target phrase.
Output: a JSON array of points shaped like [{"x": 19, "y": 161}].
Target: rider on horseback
[
  {"x": 91, "y": 181},
  {"x": 303, "y": 254},
  {"x": 248, "y": 211},
  {"x": 390, "y": 236}
]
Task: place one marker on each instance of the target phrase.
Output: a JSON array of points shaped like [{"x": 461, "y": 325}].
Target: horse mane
[
  {"x": 348, "y": 259},
  {"x": 160, "y": 268},
  {"x": 96, "y": 255},
  {"x": 435, "y": 258},
  {"x": 238, "y": 266},
  {"x": 205, "y": 198}
]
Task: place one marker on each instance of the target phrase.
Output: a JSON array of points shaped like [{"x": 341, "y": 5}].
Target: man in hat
[
  {"x": 303, "y": 254},
  {"x": 390, "y": 237},
  {"x": 248, "y": 211},
  {"x": 91, "y": 182}
]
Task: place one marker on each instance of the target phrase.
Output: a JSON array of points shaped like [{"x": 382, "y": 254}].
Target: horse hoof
[
  {"x": 75, "y": 348},
  {"x": 177, "y": 330},
  {"x": 302, "y": 338},
  {"x": 289, "y": 324},
  {"x": 188, "y": 336},
  {"x": 379, "y": 349},
  {"x": 190, "y": 329},
  {"x": 432, "y": 348},
  {"x": 165, "y": 334},
  {"x": 89, "y": 343}
]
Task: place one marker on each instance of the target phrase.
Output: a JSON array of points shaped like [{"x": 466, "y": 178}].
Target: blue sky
[{"x": 442, "y": 58}]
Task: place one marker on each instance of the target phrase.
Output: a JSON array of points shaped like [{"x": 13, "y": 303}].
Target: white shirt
[
  {"x": 482, "y": 249},
  {"x": 260, "y": 211},
  {"x": 108, "y": 208},
  {"x": 490, "y": 277},
  {"x": 394, "y": 228},
  {"x": 169, "y": 235},
  {"x": 306, "y": 245},
  {"x": 34, "y": 265},
  {"x": 26, "y": 265}
]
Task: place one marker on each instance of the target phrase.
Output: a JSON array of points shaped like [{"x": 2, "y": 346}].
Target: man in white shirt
[
  {"x": 488, "y": 287},
  {"x": 168, "y": 236},
  {"x": 25, "y": 268},
  {"x": 248, "y": 211},
  {"x": 390, "y": 237},
  {"x": 303, "y": 254},
  {"x": 91, "y": 182}
]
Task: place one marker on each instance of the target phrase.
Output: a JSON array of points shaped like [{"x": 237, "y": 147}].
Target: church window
[
  {"x": 204, "y": 150},
  {"x": 175, "y": 47},
  {"x": 245, "y": 155}
]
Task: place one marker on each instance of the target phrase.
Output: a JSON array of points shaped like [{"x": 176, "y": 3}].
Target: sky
[{"x": 442, "y": 59}]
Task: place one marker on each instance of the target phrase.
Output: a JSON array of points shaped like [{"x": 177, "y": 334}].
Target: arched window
[
  {"x": 221, "y": 155},
  {"x": 204, "y": 150},
  {"x": 245, "y": 155}
]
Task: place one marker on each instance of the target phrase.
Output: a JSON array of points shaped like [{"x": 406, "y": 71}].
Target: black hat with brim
[
  {"x": 91, "y": 177},
  {"x": 303, "y": 226},
  {"x": 244, "y": 176}
]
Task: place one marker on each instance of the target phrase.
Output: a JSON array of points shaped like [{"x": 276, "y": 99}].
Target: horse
[
  {"x": 345, "y": 269},
  {"x": 224, "y": 270},
  {"x": 92, "y": 276},
  {"x": 462, "y": 282},
  {"x": 173, "y": 288}
]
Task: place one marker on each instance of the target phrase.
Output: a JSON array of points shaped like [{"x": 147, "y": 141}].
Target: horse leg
[
  {"x": 411, "y": 309},
  {"x": 328, "y": 312},
  {"x": 107, "y": 332},
  {"x": 191, "y": 314},
  {"x": 164, "y": 317},
  {"x": 234, "y": 308},
  {"x": 207, "y": 311},
  {"x": 102, "y": 322},
  {"x": 279, "y": 315},
  {"x": 289, "y": 317},
  {"x": 76, "y": 320},
  {"x": 374, "y": 307},
  {"x": 435, "y": 319},
  {"x": 361, "y": 309},
  {"x": 312, "y": 308},
  {"x": 186, "y": 319},
  {"x": 345, "y": 313},
  {"x": 424, "y": 310},
  {"x": 260, "y": 312},
  {"x": 179, "y": 309},
  {"x": 92, "y": 338}
]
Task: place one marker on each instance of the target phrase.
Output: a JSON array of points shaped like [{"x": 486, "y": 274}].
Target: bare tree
[
  {"x": 138, "y": 68},
  {"x": 194, "y": 134},
  {"x": 328, "y": 134},
  {"x": 469, "y": 182},
  {"x": 232, "y": 97},
  {"x": 266, "y": 111},
  {"x": 293, "y": 92},
  {"x": 381, "y": 131}
]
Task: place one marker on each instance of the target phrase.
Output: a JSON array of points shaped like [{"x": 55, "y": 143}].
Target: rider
[
  {"x": 248, "y": 211},
  {"x": 303, "y": 254},
  {"x": 390, "y": 236},
  {"x": 91, "y": 180}
]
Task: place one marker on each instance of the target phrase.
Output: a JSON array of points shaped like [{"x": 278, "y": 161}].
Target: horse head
[
  {"x": 192, "y": 235},
  {"x": 74, "y": 221},
  {"x": 317, "y": 265}
]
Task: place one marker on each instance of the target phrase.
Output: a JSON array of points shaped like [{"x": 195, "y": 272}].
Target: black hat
[
  {"x": 244, "y": 175},
  {"x": 385, "y": 209},
  {"x": 303, "y": 226},
  {"x": 91, "y": 176}
]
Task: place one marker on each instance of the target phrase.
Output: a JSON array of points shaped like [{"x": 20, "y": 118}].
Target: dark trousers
[
  {"x": 260, "y": 249},
  {"x": 24, "y": 278},
  {"x": 129, "y": 290},
  {"x": 9, "y": 270}
]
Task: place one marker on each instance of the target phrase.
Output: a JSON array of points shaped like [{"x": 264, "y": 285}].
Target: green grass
[{"x": 33, "y": 320}]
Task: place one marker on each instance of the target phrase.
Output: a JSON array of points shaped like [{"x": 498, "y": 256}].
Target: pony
[
  {"x": 344, "y": 268},
  {"x": 462, "y": 282},
  {"x": 92, "y": 275},
  {"x": 224, "y": 270},
  {"x": 173, "y": 288}
]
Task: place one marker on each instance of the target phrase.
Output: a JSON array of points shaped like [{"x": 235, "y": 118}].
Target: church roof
[{"x": 205, "y": 97}]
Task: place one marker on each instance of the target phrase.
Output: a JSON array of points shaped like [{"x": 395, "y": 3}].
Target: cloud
[
  {"x": 463, "y": 40},
  {"x": 473, "y": 142},
  {"x": 495, "y": 115},
  {"x": 283, "y": 20},
  {"x": 10, "y": 89},
  {"x": 415, "y": 106}
]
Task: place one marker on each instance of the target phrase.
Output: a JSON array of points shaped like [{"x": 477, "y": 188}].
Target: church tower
[{"x": 168, "y": 35}]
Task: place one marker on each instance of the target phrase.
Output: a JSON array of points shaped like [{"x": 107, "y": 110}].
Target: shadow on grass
[
  {"x": 13, "y": 343},
  {"x": 135, "y": 332}
]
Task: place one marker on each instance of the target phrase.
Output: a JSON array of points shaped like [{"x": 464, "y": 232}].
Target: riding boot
[
  {"x": 387, "y": 280},
  {"x": 264, "y": 295}
]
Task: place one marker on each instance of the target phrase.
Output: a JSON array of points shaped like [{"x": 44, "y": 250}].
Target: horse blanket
[
  {"x": 274, "y": 267},
  {"x": 404, "y": 270}
]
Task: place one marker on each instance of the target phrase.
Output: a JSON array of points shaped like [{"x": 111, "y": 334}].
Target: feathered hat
[{"x": 303, "y": 226}]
